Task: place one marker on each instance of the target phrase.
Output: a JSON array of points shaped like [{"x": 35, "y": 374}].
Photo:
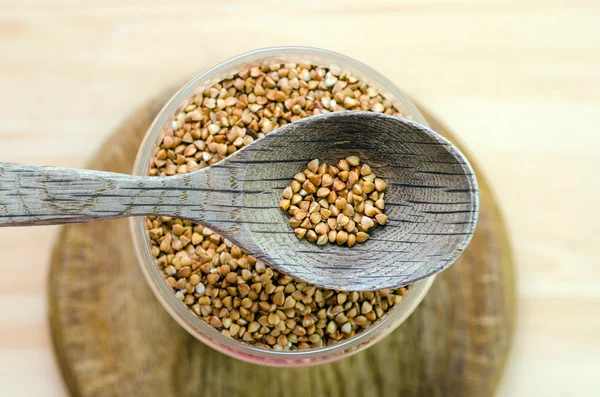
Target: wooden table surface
[{"x": 518, "y": 81}]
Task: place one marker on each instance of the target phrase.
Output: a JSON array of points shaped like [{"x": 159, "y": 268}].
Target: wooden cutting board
[{"x": 112, "y": 337}]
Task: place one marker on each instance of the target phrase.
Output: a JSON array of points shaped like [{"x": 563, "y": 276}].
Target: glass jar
[{"x": 177, "y": 309}]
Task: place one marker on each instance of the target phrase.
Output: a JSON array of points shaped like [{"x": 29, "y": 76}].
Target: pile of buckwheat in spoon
[
  {"x": 335, "y": 203},
  {"x": 232, "y": 291}
]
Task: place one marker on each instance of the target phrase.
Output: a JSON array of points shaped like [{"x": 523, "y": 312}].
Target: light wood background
[{"x": 517, "y": 80}]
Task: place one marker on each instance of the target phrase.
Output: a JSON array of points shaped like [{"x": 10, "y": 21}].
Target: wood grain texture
[
  {"x": 33, "y": 195},
  {"x": 113, "y": 338},
  {"x": 432, "y": 199}
]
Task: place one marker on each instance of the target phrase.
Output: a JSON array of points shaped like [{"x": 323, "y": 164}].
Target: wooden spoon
[{"x": 431, "y": 199}]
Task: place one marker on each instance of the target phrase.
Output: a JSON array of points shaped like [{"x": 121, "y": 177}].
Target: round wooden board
[{"x": 112, "y": 337}]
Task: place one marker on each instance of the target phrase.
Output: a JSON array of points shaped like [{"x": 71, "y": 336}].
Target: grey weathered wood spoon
[{"x": 431, "y": 199}]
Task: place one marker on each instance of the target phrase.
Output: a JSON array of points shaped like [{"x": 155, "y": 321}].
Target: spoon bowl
[{"x": 431, "y": 199}]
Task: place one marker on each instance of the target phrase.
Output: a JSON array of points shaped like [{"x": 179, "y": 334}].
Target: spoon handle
[{"x": 38, "y": 195}]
